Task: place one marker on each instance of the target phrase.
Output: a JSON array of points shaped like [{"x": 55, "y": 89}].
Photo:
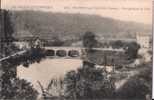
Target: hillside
[{"x": 47, "y": 25}]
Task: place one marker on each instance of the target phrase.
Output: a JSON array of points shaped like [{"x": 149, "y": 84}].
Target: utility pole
[{"x": 105, "y": 62}]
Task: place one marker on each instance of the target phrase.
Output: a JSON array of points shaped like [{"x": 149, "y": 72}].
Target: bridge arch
[
  {"x": 73, "y": 53},
  {"x": 61, "y": 53},
  {"x": 67, "y": 52},
  {"x": 50, "y": 52}
]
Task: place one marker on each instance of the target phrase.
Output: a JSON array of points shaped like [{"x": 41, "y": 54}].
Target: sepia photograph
[{"x": 76, "y": 50}]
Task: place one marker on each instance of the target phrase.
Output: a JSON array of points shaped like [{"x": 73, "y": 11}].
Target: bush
[
  {"x": 88, "y": 82},
  {"x": 89, "y": 40},
  {"x": 132, "y": 50},
  {"x": 19, "y": 90},
  {"x": 117, "y": 44},
  {"x": 138, "y": 86}
]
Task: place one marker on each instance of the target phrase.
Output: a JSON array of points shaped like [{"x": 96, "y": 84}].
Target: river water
[{"x": 46, "y": 70}]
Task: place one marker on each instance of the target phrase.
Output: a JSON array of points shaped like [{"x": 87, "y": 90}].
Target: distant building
[
  {"x": 38, "y": 42},
  {"x": 77, "y": 44},
  {"x": 143, "y": 40},
  {"x": 108, "y": 69},
  {"x": 22, "y": 45}
]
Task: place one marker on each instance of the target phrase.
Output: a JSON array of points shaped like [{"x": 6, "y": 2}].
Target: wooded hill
[{"x": 72, "y": 26}]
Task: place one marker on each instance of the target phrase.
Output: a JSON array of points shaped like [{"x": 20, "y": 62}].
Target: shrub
[
  {"x": 88, "y": 82},
  {"x": 19, "y": 90}
]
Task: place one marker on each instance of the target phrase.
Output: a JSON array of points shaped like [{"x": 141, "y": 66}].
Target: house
[
  {"x": 22, "y": 45},
  {"x": 37, "y": 42},
  {"x": 143, "y": 40}
]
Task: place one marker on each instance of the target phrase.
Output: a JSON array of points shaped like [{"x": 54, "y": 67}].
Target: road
[{"x": 13, "y": 55}]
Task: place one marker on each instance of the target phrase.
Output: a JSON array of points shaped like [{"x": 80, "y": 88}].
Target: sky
[{"x": 127, "y": 10}]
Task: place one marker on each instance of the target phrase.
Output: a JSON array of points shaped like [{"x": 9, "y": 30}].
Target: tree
[
  {"x": 117, "y": 44},
  {"x": 19, "y": 89},
  {"x": 138, "y": 86},
  {"x": 8, "y": 27},
  {"x": 7, "y": 30},
  {"x": 88, "y": 82},
  {"x": 12, "y": 87},
  {"x": 132, "y": 50},
  {"x": 71, "y": 85},
  {"x": 57, "y": 41},
  {"x": 9, "y": 73},
  {"x": 89, "y": 40}
]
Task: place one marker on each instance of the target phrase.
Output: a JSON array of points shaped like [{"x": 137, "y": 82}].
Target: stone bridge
[
  {"x": 64, "y": 52},
  {"x": 72, "y": 52}
]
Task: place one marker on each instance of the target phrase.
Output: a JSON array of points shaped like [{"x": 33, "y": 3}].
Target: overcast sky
[{"x": 127, "y": 10}]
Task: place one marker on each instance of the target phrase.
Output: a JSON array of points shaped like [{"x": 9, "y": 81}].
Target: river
[{"x": 46, "y": 70}]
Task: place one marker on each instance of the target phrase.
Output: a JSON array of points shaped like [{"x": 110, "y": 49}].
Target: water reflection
[{"x": 47, "y": 69}]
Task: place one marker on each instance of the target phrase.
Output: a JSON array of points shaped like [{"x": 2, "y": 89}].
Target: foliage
[
  {"x": 7, "y": 30},
  {"x": 88, "y": 82},
  {"x": 19, "y": 89},
  {"x": 8, "y": 26},
  {"x": 73, "y": 25},
  {"x": 89, "y": 40},
  {"x": 132, "y": 50},
  {"x": 71, "y": 85},
  {"x": 57, "y": 41},
  {"x": 9, "y": 75},
  {"x": 31, "y": 56},
  {"x": 138, "y": 86},
  {"x": 11, "y": 87},
  {"x": 117, "y": 44}
]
